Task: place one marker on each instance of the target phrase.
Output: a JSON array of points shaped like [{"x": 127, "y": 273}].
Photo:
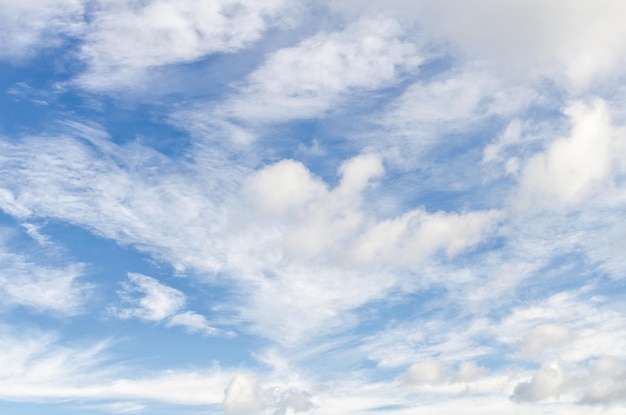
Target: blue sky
[{"x": 315, "y": 207}]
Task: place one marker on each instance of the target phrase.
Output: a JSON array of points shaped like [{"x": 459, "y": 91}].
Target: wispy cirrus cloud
[
  {"x": 30, "y": 26},
  {"x": 145, "y": 298},
  {"x": 128, "y": 40},
  {"x": 29, "y": 279}
]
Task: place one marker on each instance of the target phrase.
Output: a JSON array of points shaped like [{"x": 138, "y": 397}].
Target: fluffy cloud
[
  {"x": 469, "y": 371},
  {"x": 601, "y": 382},
  {"x": 573, "y": 167},
  {"x": 246, "y": 395},
  {"x": 322, "y": 217},
  {"x": 546, "y": 383},
  {"x": 283, "y": 186},
  {"x": 425, "y": 372},
  {"x": 243, "y": 395},
  {"x": 606, "y": 382}
]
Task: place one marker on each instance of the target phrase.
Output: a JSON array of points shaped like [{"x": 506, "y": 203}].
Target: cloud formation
[{"x": 316, "y": 207}]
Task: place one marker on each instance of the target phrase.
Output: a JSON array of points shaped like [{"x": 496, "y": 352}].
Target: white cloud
[
  {"x": 184, "y": 387},
  {"x": 606, "y": 382},
  {"x": 246, "y": 395},
  {"x": 283, "y": 186},
  {"x": 606, "y": 366},
  {"x": 146, "y": 298},
  {"x": 511, "y": 135},
  {"x": 34, "y": 362},
  {"x": 317, "y": 218},
  {"x": 193, "y": 323},
  {"x": 243, "y": 395},
  {"x": 546, "y": 383},
  {"x": 585, "y": 327},
  {"x": 469, "y": 371},
  {"x": 27, "y": 282},
  {"x": 126, "y": 39},
  {"x": 418, "y": 234},
  {"x": 456, "y": 101},
  {"x": 313, "y": 240},
  {"x": 334, "y": 215},
  {"x": 454, "y": 98},
  {"x": 581, "y": 40},
  {"x": 191, "y": 217},
  {"x": 131, "y": 194},
  {"x": 43, "y": 288},
  {"x": 425, "y": 372},
  {"x": 601, "y": 382},
  {"x": 37, "y": 366},
  {"x": 572, "y": 168},
  {"x": 29, "y": 26},
  {"x": 322, "y": 72},
  {"x": 118, "y": 407},
  {"x": 301, "y": 257},
  {"x": 546, "y": 337},
  {"x": 294, "y": 304}
]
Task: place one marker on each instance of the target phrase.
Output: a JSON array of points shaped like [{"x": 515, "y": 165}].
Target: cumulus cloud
[
  {"x": 317, "y": 221},
  {"x": 283, "y": 186},
  {"x": 574, "y": 167},
  {"x": 424, "y": 373},
  {"x": 246, "y": 395},
  {"x": 469, "y": 371},
  {"x": 606, "y": 382},
  {"x": 146, "y": 298},
  {"x": 548, "y": 382},
  {"x": 580, "y": 40},
  {"x": 243, "y": 395},
  {"x": 600, "y": 382},
  {"x": 322, "y": 217}
]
